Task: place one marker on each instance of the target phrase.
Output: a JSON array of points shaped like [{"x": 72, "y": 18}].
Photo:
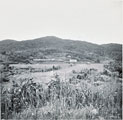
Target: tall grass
[{"x": 63, "y": 100}]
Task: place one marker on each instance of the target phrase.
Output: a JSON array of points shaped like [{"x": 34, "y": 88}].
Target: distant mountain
[
  {"x": 46, "y": 42},
  {"x": 51, "y": 46}
]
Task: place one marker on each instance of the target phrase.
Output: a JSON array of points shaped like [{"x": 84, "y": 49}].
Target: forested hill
[{"x": 52, "y": 46}]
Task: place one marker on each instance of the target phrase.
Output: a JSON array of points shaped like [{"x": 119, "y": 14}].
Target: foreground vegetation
[{"x": 88, "y": 94}]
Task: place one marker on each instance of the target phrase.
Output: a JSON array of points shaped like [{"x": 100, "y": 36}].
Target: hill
[{"x": 54, "y": 47}]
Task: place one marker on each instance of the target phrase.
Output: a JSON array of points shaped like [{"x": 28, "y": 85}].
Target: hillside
[
  {"x": 113, "y": 50},
  {"x": 54, "y": 47},
  {"x": 46, "y": 42}
]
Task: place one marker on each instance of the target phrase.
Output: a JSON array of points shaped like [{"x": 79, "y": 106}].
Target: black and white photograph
[{"x": 61, "y": 59}]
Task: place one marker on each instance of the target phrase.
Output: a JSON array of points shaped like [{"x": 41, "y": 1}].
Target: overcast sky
[{"x": 96, "y": 21}]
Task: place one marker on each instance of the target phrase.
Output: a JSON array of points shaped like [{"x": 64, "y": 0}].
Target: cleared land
[{"x": 64, "y": 72}]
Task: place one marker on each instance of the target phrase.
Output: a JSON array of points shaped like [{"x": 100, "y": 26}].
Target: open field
[{"x": 64, "y": 72}]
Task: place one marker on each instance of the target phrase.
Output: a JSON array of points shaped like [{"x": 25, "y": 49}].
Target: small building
[
  {"x": 43, "y": 60},
  {"x": 68, "y": 56},
  {"x": 73, "y": 61},
  {"x": 88, "y": 63}
]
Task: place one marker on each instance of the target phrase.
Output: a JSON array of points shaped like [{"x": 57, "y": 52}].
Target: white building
[{"x": 73, "y": 61}]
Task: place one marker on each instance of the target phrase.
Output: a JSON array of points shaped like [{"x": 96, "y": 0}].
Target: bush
[{"x": 61, "y": 100}]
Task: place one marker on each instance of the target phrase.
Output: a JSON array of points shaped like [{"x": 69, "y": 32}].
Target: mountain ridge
[
  {"x": 56, "y": 38},
  {"x": 51, "y": 46}
]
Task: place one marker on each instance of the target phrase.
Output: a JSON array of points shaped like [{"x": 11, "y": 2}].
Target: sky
[{"x": 96, "y": 21}]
